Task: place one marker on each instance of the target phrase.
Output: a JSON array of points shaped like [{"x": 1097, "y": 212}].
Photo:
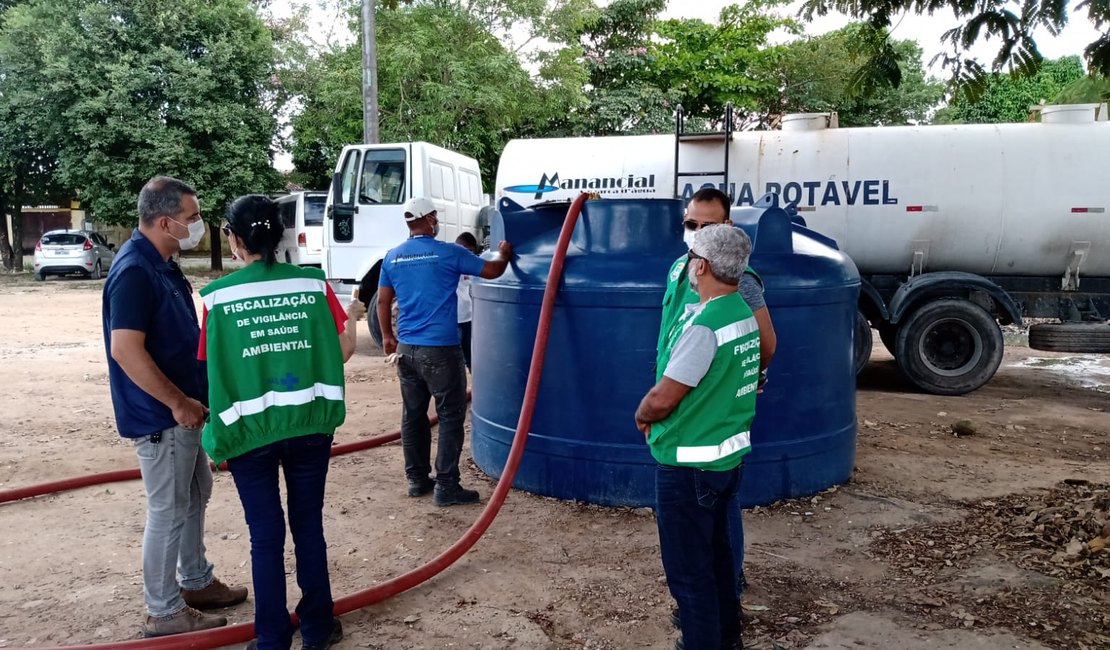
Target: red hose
[
  {"x": 133, "y": 474},
  {"x": 245, "y": 631}
]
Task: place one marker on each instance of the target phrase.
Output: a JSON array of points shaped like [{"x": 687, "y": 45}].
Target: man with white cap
[{"x": 423, "y": 274}]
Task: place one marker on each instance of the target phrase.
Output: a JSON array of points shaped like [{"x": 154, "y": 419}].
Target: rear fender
[
  {"x": 872, "y": 304},
  {"x": 954, "y": 284}
]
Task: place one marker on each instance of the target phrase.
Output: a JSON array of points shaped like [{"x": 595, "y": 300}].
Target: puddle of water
[{"x": 1088, "y": 371}]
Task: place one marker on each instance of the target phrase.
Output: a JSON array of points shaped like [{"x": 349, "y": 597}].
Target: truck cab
[{"x": 363, "y": 216}]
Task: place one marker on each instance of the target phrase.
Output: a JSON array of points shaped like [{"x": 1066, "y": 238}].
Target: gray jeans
[{"x": 178, "y": 485}]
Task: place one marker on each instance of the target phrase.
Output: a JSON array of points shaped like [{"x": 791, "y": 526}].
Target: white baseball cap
[{"x": 418, "y": 208}]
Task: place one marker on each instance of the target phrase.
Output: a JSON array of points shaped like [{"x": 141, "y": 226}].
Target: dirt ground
[{"x": 937, "y": 541}]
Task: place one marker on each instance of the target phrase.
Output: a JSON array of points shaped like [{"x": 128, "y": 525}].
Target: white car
[
  {"x": 302, "y": 214},
  {"x": 68, "y": 252}
]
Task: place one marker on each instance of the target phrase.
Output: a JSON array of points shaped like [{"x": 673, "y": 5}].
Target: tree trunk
[
  {"x": 6, "y": 255},
  {"x": 217, "y": 248},
  {"x": 17, "y": 219}
]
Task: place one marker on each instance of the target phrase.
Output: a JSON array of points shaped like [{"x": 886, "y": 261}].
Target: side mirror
[{"x": 111, "y": 247}]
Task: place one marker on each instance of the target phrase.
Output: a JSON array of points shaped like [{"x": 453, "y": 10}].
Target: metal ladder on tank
[{"x": 681, "y": 136}]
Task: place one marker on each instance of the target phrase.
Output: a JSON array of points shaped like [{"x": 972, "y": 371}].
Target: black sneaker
[
  {"x": 420, "y": 487},
  {"x": 457, "y": 495},
  {"x": 335, "y": 637}
]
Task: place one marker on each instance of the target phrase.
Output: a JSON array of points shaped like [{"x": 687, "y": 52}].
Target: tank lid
[
  {"x": 809, "y": 121},
  {"x": 1071, "y": 113}
]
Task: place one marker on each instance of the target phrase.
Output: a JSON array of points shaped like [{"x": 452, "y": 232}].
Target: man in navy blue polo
[
  {"x": 159, "y": 392},
  {"x": 423, "y": 274}
]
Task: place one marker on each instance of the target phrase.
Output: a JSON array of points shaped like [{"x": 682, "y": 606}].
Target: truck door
[
  {"x": 339, "y": 230},
  {"x": 366, "y": 219}
]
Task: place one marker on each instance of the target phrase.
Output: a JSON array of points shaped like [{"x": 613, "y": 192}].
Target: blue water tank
[{"x": 583, "y": 442}]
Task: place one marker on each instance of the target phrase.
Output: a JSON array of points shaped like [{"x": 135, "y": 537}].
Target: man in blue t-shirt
[{"x": 423, "y": 275}]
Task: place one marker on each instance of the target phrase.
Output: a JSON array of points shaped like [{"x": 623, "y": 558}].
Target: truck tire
[
  {"x": 888, "y": 334},
  {"x": 1070, "y": 337},
  {"x": 374, "y": 324},
  {"x": 863, "y": 341},
  {"x": 484, "y": 219},
  {"x": 949, "y": 347}
]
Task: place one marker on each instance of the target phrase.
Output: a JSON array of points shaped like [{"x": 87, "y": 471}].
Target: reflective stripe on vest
[
  {"x": 259, "y": 404},
  {"x": 710, "y": 453},
  {"x": 733, "y": 331},
  {"x": 268, "y": 288}
]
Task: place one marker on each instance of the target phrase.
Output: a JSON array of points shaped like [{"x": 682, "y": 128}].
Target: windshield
[
  {"x": 314, "y": 210},
  {"x": 383, "y": 177},
  {"x": 63, "y": 239}
]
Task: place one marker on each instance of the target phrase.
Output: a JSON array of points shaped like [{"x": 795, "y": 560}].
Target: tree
[
  {"x": 816, "y": 75},
  {"x": 472, "y": 101},
  {"x": 1011, "y": 22},
  {"x": 1007, "y": 97},
  {"x": 122, "y": 90},
  {"x": 710, "y": 65},
  {"x": 1086, "y": 90}
]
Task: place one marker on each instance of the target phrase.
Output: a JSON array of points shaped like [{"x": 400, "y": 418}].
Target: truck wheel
[
  {"x": 949, "y": 347},
  {"x": 863, "y": 341},
  {"x": 372, "y": 319},
  {"x": 372, "y": 322},
  {"x": 888, "y": 334},
  {"x": 1070, "y": 337}
]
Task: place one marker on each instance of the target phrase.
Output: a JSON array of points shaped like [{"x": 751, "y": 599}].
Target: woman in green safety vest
[{"x": 276, "y": 337}]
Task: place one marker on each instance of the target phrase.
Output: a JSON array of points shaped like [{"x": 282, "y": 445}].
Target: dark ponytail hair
[{"x": 254, "y": 218}]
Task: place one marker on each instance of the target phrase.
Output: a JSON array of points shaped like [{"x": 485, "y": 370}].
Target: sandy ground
[{"x": 921, "y": 549}]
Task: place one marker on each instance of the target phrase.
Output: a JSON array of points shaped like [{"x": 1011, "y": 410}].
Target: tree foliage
[
  {"x": 443, "y": 77},
  {"x": 1008, "y": 97},
  {"x": 121, "y": 90},
  {"x": 821, "y": 74},
  {"x": 710, "y": 65},
  {"x": 1011, "y": 23}
]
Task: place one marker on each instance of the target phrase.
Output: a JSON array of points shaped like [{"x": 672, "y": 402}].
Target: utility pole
[{"x": 369, "y": 74}]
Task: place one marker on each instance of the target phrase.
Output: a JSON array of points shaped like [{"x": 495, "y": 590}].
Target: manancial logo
[
  {"x": 538, "y": 190},
  {"x": 612, "y": 185}
]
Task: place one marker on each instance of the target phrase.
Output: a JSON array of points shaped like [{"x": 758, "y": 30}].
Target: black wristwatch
[{"x": 762, "y": 378}]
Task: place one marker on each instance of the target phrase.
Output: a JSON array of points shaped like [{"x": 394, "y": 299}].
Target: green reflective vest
[
  {"x": 679, "y": 293},
  {"x": 275, "y": 368},
  {"x": 710, "y": 428}
]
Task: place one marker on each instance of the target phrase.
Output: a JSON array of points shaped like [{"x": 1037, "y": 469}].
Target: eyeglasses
[
  {"x": 693, "y": 256},
  {"x": 227, "y": 229},
  {"x": 695, "y": 225}
]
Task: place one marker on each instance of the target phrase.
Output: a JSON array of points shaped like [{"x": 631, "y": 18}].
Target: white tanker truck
[{"x": 954, "y": 229}]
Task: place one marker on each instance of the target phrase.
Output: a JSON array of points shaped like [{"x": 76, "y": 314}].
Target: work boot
[
  {"x": 187, "y": 620},
  {"x": 333, "y": 638},
  {"x": 214, "y": 596},
  {"x": 454, "y": 495},
  {"x": 421, "y": 486}
]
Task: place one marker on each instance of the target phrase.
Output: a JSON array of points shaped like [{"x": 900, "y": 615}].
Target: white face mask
[
  {"x": 688, "y": 237},
  {"x": 691, "y": 275},
  {"x": 196, "y": 231}
]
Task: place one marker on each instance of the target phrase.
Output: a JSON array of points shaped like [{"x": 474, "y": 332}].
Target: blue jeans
[
  {"x": 426, "y": 372},
  {"x": 736, "y": 538},
  {"x": 178, "y": 484},
  {"x": 692, "y": 512},
  {"x": 465, "y": 331},
  {"x": 304, "y": 461}
]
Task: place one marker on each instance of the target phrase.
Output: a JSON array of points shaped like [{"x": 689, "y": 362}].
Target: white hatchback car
[{"x": 65, "y": 252}]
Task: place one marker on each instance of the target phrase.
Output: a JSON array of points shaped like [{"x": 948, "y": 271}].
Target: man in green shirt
[{"x": 697, "y": 421}]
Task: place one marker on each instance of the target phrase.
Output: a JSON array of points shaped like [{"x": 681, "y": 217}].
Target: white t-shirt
[{"x": 466, "y": 307}]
